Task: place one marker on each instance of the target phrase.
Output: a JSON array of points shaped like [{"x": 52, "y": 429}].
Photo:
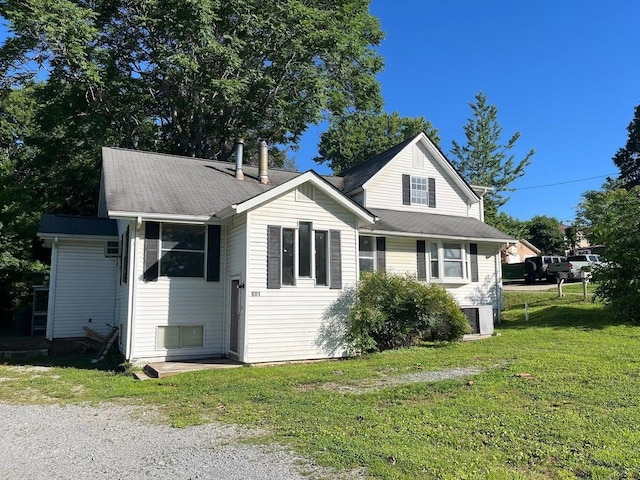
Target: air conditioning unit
[{"x": 112, "y": 249}]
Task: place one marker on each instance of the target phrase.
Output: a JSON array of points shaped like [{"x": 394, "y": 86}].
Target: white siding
[
  {"x": 401, "y": 257},
  {"x": 176, "y": 301},
  {"x": 236, "y": 268},
  {"x": 287, "y": 323},
  {"x": 385, "y": 189},
  {"x": 84, "y": 289}
]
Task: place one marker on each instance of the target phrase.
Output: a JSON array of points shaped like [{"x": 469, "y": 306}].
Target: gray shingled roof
[
  {"x": 358, "y": 175},
  {"x": 145, "y": 182},
  {"x": 81, "y": 226},
  {"x": 432, "y": 224}
]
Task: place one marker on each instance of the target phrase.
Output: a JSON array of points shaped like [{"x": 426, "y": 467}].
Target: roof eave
[
  {"x": 159, "y": 217},
  {"x": 394, "y": 233}
]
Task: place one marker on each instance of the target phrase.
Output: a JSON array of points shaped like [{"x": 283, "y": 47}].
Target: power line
[{"x": 563, "y": 183}]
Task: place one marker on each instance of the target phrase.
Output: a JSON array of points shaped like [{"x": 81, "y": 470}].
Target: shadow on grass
[
  {"x": 83, "y": 361},
  {"x": 565, "y": 316}
]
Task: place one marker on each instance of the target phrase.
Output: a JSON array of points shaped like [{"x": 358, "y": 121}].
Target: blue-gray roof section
[{"x": 69, "y": 225}]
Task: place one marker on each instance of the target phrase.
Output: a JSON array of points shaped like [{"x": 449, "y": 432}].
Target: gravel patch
[
  {"x": 119, "y": 442},
  {"x": 404, "y": 379}
]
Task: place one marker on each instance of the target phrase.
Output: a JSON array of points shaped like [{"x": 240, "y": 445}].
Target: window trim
[
  {"x": 464, "y": 260},
  {"x": 372, "y": 257},
  {"x": 423, "y": 192}
]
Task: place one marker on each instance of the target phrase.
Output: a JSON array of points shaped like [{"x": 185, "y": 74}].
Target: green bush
[{"x": 397, "y": 311}]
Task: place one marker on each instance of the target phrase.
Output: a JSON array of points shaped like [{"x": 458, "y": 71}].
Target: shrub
[{"x": 396, "y": 311}]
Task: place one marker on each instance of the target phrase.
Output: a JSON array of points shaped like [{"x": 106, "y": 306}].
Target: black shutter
[
  {"x": 213, "y": 253},
  {"x": 151, "y": 246},
  {"x": 432, "y": 193},
  {"x": 335, "y": 263},
  {"x": 125, "y": 256},
  {"x": 406, "y": 189},
  {"x": 473, "y": 251},
  {"x": 274, "y": 250},
  {"x": 381, "y": 247},
  {"x": 421, "y": 249}
]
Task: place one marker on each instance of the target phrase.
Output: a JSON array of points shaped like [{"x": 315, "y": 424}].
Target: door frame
[{"x": 235, "y": 286}]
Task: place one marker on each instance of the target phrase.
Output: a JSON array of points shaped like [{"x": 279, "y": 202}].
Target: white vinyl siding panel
[
  {"x": 176, "y": 301},
  {"x": 85, "y": 289},
  {"x": 236, "y": 259},
  {"x": 385, "y": 188},
  {"x": 286, "y": 323}
]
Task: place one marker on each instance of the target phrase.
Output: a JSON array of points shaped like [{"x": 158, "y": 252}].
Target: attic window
[{"x": 419, "y": 191}]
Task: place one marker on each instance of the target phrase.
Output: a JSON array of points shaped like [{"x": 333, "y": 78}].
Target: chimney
[
  {"x": 239, "y": 154},
  {"x": 263, "y": 167}
]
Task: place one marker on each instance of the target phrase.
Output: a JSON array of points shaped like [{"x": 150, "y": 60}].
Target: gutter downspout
[{"x": 133, "y": 280}]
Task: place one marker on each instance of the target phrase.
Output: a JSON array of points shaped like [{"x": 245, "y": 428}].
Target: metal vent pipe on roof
[
  {"x": 263, "y": 166},
  {"x": 239, "y": 155}
]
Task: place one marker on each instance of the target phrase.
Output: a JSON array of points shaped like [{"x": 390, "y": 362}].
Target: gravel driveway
[{"x": 115, "y": 442}]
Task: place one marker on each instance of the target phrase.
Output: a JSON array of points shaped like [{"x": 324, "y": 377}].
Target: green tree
[
  {"x": 484, "y": 160},
  {"x": 518, "y": 229},
  {"x": 190, "y": 77},
  {"x": 544, "y": 232},
  {"x": 612, "y": 218},
  {"x": 354, "y": 138},
  {"x": 627, "y": 159}
]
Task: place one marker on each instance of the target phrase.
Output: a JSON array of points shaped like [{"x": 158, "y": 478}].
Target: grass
[{"x": 575, "y": 414}]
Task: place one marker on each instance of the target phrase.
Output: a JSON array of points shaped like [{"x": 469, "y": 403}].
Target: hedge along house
[{"x": 199, "y": 258}]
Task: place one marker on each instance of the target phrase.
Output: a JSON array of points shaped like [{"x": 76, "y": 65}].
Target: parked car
[
  {"x": 574, "y": 266},
  {"x": 535, "y": 268}
]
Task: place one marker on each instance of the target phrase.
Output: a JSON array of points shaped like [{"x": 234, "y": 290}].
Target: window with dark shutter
[
  {"x": 335, "y": 264},
  {"x": 151, "y": 247},
  {"x": 473, "y": 252},
  {"x": 421, "y": 249},
  {"x": 381, "y": 251},
  {"x": 432, "y": 193},
  {"x": 274, "y": 250},
  {"x": 125, "y": 256},
  {"x": 406, "y": 189},
  {"x": 213, "y": 253}
]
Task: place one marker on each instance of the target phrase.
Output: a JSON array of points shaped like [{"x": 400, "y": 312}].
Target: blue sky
[{"x": 563, "y": 73}]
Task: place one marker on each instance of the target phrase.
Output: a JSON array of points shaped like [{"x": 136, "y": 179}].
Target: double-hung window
[
  {"x": 321, "y": 238},
  {"x": 288, "y": 256},
  {"x": 453, "y": 260},
  {"x": 182, "y": 250},
  {"x": 419, "y": 191},
  {"x": 367, "y": 253}
]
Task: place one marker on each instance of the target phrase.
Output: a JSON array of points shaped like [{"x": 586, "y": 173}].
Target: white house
[{"x": 193, "y": 258}]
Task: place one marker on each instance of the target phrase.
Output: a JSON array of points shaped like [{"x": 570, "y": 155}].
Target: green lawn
[{"x": 575, "y": 414}]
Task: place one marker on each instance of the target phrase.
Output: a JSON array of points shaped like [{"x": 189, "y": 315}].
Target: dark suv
[{"x": 535, "y": 268}]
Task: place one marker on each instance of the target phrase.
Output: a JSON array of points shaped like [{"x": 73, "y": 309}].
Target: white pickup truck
[{"x": 574, "y": 266}]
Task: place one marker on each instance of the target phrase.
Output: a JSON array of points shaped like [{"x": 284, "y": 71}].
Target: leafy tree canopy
[
  {"x": 188, "y": 77},
  {"x": 627, "y": 159},
  {"x": 354, "y": 138},
  {"x": 612, "y": 218},
  {"x": 484, "y": 160},
  {"x": 544, "y": 232}
]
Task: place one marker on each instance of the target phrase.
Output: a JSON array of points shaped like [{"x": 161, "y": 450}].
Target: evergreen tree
[
  {"x": 627, "y": 159},
  {"x": 484, "y": 160}
]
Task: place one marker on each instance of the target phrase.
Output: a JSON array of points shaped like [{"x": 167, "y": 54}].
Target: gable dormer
[{"x": 412, "y": 176}]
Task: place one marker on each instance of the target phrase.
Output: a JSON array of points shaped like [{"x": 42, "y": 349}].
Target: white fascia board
[
  {"x": 160, "y": 217},
  {"x": 481, "y": 190},
  {"x": 386, "y": 233},
  {"x": 309, "y": 176}
]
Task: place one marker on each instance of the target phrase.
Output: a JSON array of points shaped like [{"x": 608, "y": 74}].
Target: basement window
[{"x": 180, "y": 336}]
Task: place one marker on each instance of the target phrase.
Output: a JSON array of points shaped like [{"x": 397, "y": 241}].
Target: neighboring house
[
  {"x": 195, "y": 258},
  {"x": 519, "y": 251}
]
